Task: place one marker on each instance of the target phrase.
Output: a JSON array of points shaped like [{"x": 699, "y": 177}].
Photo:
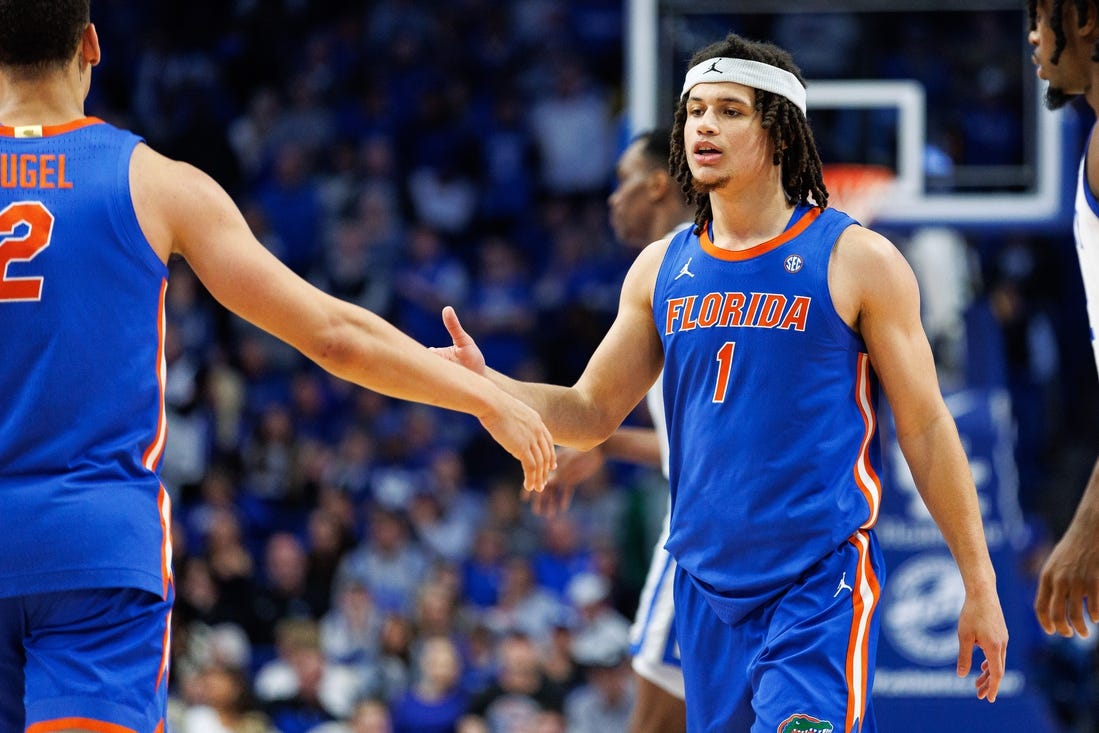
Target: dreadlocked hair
[
  {"x": 795, "y": 150},
  {"x": 1057, "y": 22}
]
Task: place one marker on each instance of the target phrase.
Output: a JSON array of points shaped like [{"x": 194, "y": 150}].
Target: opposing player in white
[{"x": 1064, "y": 36}]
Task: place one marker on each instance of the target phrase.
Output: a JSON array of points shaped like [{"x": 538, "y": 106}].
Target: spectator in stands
[
  {"x": 427, "y": 278},
  {"x": 370, "y": 716},
  {"x": 509, "y": 515},
  {"x": 600, "y": 632},
  {"x": 435, "y": 701},
  {"x": 327, "y": 541},
  {"x": 519, "y": 694},
  {"x": 500, "y": 305},
  {"x": 285, "y": 593},
  {"x": 574, "y": 108},
  {"x": 225, "y": 705},
  {"x": 510, "y": 162},
  {"x": 392, "y": 675},
  {"x": 351, "y": 630},
  {"x": 300, "y": 689},
  {"x": 483, "y": 570},
  {"x": 523, "y": 606},
  {"x": 388, "y": 563},
  {"x": 604, "y": 702},
  {"x": 442, "y": 533},
  {"x": 201, "y": 599},
  {"x": 558, "y": 660},
  {"x": 291, "y": 202},
  {"x": 437, "y": 612},
  {"x": 564, "y": 554}
]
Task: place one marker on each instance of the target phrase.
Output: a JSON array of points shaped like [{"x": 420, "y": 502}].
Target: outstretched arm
[
  {"x": 867, "y": 268},
  {"x": 1069, "y": 581},
  {"x": 183, "y": 211}
]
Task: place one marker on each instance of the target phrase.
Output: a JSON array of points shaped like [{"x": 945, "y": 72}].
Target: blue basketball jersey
[
  {"x": 81, "y": 326},
  {"x": 770, "y": 402}
]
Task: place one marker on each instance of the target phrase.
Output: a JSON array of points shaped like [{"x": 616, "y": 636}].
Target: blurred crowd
[{"x": 346, "y": 563}]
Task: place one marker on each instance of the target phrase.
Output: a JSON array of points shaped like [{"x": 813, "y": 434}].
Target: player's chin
[
  {"x": 1056, "y": 97},
  {"x": 706, "y": 181}
]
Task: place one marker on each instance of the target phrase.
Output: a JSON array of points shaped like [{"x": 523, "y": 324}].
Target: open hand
[
  {"x": 521, "y": 432},
  {"x": 517, "y": 427},
  {"x": 981, "y": 624},
  {"x": 1068, "y": 584},
  {"x": 573, "y": 468}
]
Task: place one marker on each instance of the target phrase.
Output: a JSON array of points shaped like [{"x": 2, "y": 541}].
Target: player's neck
[
  {"x": 50, "y": 99},
  {"x": 743, "y": 221}
]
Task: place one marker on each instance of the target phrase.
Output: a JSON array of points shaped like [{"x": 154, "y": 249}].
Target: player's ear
[
  {"x": 90, "y": 52},
  {"x": 1085, "y": 25},
  {"x": 657, "y": 184}
]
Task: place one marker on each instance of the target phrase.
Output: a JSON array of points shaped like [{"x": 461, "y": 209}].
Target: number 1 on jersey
[
  {"x": 724, "y": 365},
  {"x": 39, "y": 223}
]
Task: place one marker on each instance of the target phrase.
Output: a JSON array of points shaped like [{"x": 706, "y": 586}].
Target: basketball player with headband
[{"x": 776, "y": 320}]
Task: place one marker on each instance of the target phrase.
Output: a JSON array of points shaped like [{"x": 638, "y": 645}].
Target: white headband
[{"x": 749, "y": 73}]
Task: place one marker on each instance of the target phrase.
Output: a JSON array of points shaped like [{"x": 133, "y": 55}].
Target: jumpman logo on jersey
[
  {"x": 713, "y": 68},
  {"x": 843, "y": 585},
  {"x": 685, "y": 271}
]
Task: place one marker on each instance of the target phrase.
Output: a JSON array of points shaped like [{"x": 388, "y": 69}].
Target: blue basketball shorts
[
  {"x": 801, "y": 661},
  {"x": 95, "y": 659}
]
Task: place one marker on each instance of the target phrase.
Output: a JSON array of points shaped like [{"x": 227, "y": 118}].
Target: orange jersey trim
[
  {"x": 865, "y": 477},
  {"x": 864, "y": 598},
  {"x": 50, "y": 726},
  {"x": 166, "y": 653},
  {"x": 164, "y": 505},
  {"x": 48, "y": 130},
  {"x": 713, "y": 250},
  {"x": 155, "y": 450}
]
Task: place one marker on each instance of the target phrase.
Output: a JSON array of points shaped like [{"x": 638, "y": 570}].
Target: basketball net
[{"x": 857, "y": 189}]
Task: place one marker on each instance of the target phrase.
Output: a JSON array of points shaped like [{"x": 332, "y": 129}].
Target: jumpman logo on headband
[
  {"x": 713, "y": 68},
  {"x": 685, "y": 271},
  {"x": 843, "y": 585}
]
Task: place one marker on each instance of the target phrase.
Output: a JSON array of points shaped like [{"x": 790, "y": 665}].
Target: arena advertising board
[{"x": 918, "y": 645}]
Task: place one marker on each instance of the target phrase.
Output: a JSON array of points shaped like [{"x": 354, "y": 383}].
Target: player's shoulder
[
  {"x": 867, "y": 268},
  {"x": 169, "y": 182},
  {"x": 170, "y": 197},
  {"x": 859, "y": 247},
  {"x": 653, "y": 253},
  {"x": 658, "y": 249},
  {"x": 641, "y": 278},
  {"x": 148, "y": 161},
  {"x": 652, "y": 256}
]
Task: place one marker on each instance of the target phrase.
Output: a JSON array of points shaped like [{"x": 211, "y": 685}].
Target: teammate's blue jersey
[
  {"x": 770, "y": 401},
  {"x": 82, "y": 425}
]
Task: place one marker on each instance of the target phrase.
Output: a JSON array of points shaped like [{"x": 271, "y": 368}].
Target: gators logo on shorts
[{"x": 804, "y": 724}]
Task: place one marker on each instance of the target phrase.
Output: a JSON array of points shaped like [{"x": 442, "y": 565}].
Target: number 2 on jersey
[
  {"x": 39, "y": 223},
  {"x": 724, "y": 365}
]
